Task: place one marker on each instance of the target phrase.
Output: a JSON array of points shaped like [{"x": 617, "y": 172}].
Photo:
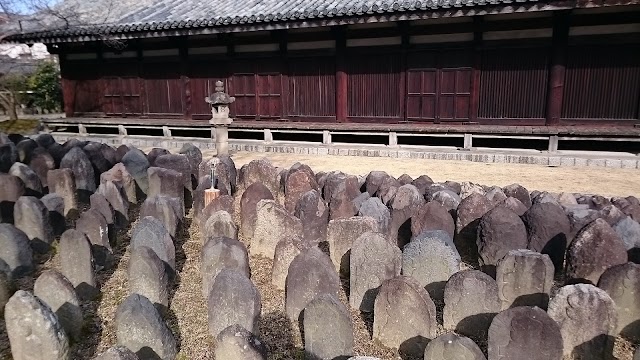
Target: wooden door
[
  {"x": 269, "y": 93},
  {"x": 257, "y": 87},
  {"x": 438, "y": 86},
  {"x": 122, "y": 96}
]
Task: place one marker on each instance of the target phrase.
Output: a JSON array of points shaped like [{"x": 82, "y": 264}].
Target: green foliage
[{"x": 45, "y": 84}]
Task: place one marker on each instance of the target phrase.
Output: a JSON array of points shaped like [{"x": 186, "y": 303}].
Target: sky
[{"x": 23, "y": 6}]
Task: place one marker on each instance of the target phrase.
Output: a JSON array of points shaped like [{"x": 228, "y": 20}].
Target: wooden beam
[
  {"x": 341, "y": 75},
  {"x": 68, "y": 93},
  {"x": 561, "y": 24},
  {"x": 477, "y": 69}
]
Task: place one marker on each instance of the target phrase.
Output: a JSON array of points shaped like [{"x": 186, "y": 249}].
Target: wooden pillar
[
  {"x": 557, "y": 67},
  {"x": 341, "y": 75},
  {"x": 68, "y": 93},
  {"x": 476, "y": 70},
  {"x": 184, "y": 77},
  {"x": 405, "y": 33}
]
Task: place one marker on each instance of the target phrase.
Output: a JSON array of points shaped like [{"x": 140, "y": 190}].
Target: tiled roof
[{"x": 137, "y": 16}]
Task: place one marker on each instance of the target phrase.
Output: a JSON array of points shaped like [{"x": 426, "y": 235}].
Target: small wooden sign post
[{"x": 212, "y": 193}]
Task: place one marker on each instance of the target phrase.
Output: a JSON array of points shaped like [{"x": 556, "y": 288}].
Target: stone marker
[
  {"x": 374, "y": 180},
  {"x": 102, "y": 205},
  {"x": 233, "y": 299},
  {"x": 431, "y": 259},
  {"x": 222, "y": 202},
  {"x": 373, "y": 260},
  {"x": 296, "y": 185},
  {"x": 310, "y": 274},
  {"x": 337, "y": 182},
  {"x": 225, "y": 173},
  {"x": 219, "y": 253},
  {"x": 53, "y": 289},
  {"x": 470, "y": 303},
  {"x": 83, "y": 172},
  {"x": 579, "y": 217},
  {"x": 596, "y": 248},
  {"x": 524, "y": 330},
  {"x": 548, "y": 229},
  {"x": 341, "y": 204},
  {"x": 25, "y": 148},
  {"x": 629, "y": 232},
  {"x": 587, "y": 319},
  {"x": 6, "y": 286},
  {"x": 164, "y": 208},
  {"x": 150, "y": 232},
  {"x": 452, "y": 346},
  {"x": 119, "y": 175},
  {"x": 341, "y": 234},
  {"x": 499, "y": 231},
  {"x": 180, "y": 164},
  {"x": 31, "y": 181},
  {"x": 137, "y": 164},
  {"x": 448, "y": 199},
  {"x": 34, "y": 330},
  {"x": 374, "y": 208},
  {"x": 524, "y": 278},
  {"x": 468, "y": 188},
  {"x": 155, "y": 153},
  {"x": 95, "y": 227},
  {"x": 432, "y": 216},
  {"x": 77, "y": 263},
  {"x": 55, "y": 205},
  {"x": 248, "y": 207},
  {"x": 407, "y": 199},
  {"x": 94, "y": 152},
  {"x": 115, "y": 196},
  {"x": 167, "y": 182},
  {"x": 41, "y": 162},
  {"x": 286, "y": 250},
  {"x": 404, "y": 316},
  {"x": 519, "y": 192},
  {"x": 236, "y": 343},
  {"x": 15, "y": 250},
  {"x": 469, "y": 212},
  {"x": 611, "y": 214},
  {"x": 314, "y": 216},
  {"x": 273, "y": 223},
  {"x": 514, "y": 205},
  {"x": 622, "y": 283},
  {"x": 8, "y": 156},
  {"x": 140, "y": 328},
  {"x": 148, "y": 277},
  {"x": 194, "y": 156},
  {"x": 220, "y": 224},
  {"x": 32, "y": 218},
  {"x": 117, "y": 353},
  {"x": 495, "y": 195},
  {"x": 259, "y": 171},
  {"x": 11, "y": 189},
  {"x": 328, "y": 333},
  {"x": 61, "y": 182}
]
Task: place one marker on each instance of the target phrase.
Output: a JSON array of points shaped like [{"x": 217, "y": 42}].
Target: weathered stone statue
[{"x": 220, "y": 119}]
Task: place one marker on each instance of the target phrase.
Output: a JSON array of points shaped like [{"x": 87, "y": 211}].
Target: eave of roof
[{"x": 395, "y": 11}]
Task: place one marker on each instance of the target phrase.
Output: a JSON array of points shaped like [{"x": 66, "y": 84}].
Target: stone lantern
[{"x": 220, "y": 119}]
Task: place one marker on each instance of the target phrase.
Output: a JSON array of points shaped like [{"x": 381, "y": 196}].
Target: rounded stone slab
[
  {"x": 15, "y": 250},
  {"x": 219, "y": 224},
  {"x": 33, "y": 329},
  {"x": 548, "y": 229},
  {"x": 164, "y": 208},
  {"x": 595, "y": 248},
  {"x": 313, "y": 213},
  {"x": 194, "y": 156},
  {"x": 32, "y": 183},
  {"x": 222, "y": 202},
  {"x": 11, "y": 189},
  {"x": 41, "y": 162},
  {"x": 55, "y": 205},
  {"x": 150, "y": 232},
  {"x": 404, "y": 316},
  {"x": 373, "y": 260},
  {"x": 148, "y": 277},
  {"x": 53, "y": 289},
  {"x": 76, "y": 260},
  {"x": 140, "y": 328},
  {"x": 431, "y": 259},
  {"x": 432, "y": 216},
  {"x": 222, "y": 253},
  {"x": 328, "y": 333},
  {"x": 167, "y": 182},
  {"x": 524, "y": 278},
  {"x": 137, "y": 164},
  {"x": 587, "y": 318},
  {"x": 61, "y": 182},
  {"x": 286, "y": 250},
  {"x": 117, "y": 353},
  {"x": 233, "y": 299},
  {"x": 374, "y": 208},
  {"x": 179, "y": 163},
  {"x": 311, "y": 274},
  {"x": 296, "y": 184},
  {"x": 83, "y": 173},
  {"x": 524, "y": 330},
  {"x": 236, "y": 343},
  {"x": 249, "y": 200},
  {"x": 273, "y": 223},
  {"x": 469, "y": 212},
  {"x": 499, "y": 231},
  {"x": 32, "y": 217},
  {"x": 342, "y": 233},
  {"x": 259, "y": 171},
  {"x": 453, "y": 347},
  {"x": 622, "y": 283},
  {"x": 629, "y": 232},
  {"x": 95, "y": 227},
  {"x": 470, "y": 303},
  {"x": 514, "y": 205},
  {"x": 519, "y": 192},
  {"x": 119, "y": 175}
]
